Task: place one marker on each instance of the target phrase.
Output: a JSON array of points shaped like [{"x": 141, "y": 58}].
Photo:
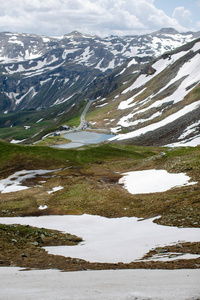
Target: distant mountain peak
[
  {"x": 75, "y": 33},
  {"x": 168, "y": 30},
  {"x": 78, "y": 35}
]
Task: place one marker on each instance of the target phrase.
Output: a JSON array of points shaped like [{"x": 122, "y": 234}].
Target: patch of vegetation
[
  {"x": 52, "y": 140},
  {"x": 41, "y": 122},
  {"x": 72, "y": 119},
  {"x": 18, "y": 205},
  {"x": 99, "y": 114},
  {"x": 21, "y": 245},
  {"x": 27, "y": 157},
  {"x": 36, "y": 236},
  {"x": 193, "y": 95},
  {"x": 75, "y": 121}
]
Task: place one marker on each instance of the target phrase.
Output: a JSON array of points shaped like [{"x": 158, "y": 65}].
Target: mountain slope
[
  {"x": 38, "y": 72},
  {"x": 158, "y": 106}
]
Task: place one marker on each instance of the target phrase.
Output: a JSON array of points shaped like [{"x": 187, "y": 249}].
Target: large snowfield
[
  {"x": 110, "y": 240},
  {"x": 99, "y": 285}
]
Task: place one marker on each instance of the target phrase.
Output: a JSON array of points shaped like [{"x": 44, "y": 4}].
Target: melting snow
[
  {"x": 39, "y": 120},
  {"x": 196, "y": 47},
  {"x": 154, "y": 126},
  {"x": 16, "y": 141},
  {"x": 101, "y": 105},
  {"x": 46, "y": 40},
  {"x": 55, "y": 189},
  {"x": 42, "y": 207},
  {"x": 126, "y": 104},
  {"x": 14, "y": 182},
  {"x": 69, "y": 51},
  {"x": 31, "y": 91},
  {"x": 153, "y": 181},
  {"x": 59, "y": 101},
  {"x": 109, "y": 240},
  {"x": 191, "y": 70},
  {"x": 189, "y": 130},
  {"x": 192, "y": 142}
]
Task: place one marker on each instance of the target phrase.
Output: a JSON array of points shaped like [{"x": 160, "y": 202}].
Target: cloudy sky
[{"x": 101, "y": 17}]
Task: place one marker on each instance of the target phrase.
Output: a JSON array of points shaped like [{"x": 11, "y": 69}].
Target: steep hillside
[{"x": 158, "y": 106}]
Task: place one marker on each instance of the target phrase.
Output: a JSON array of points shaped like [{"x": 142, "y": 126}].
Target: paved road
[{"x": 83, "y": 115}]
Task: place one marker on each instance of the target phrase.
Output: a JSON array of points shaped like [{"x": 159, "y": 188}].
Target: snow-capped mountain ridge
[
  {"x": 70, "y": 63},
  {"x": 21, "y": 47},
  {"x": 162, "y": 106}
]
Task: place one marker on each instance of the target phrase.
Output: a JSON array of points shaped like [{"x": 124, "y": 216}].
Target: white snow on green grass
[
  {"x": 42, "y": 207},
  {"x": 55, "y": 189},
  {"x": 14, "y": 183}
]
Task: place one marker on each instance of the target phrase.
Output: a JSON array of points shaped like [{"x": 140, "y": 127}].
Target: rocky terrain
[{"x": 160, "y": 105}]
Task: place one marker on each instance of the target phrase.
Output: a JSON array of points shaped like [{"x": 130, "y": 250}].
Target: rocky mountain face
[
  {"x": 38, "y": 72},
  {"x": 140, "y": 87},
  {"x": 160, "y": 105}
]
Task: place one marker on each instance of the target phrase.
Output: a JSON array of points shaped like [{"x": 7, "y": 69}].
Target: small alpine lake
[{"x": 80, "y": 138}]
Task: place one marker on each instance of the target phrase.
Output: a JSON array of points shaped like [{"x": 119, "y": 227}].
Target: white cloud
[
  {"x": 183, "y": 16},
  {"x": 102, "y": 17}
]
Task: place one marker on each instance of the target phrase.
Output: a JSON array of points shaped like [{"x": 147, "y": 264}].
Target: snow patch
[
  {"x": 126, "y": 104},
  {"x": 39, "y": 120},
  {"x": 42, "y": 207},
  {"x": 55, "y": 189},
  {"x": 14, "y": 182},
  {"x": 153, "y": 181},
  {"x": 16, "y": 141}
]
